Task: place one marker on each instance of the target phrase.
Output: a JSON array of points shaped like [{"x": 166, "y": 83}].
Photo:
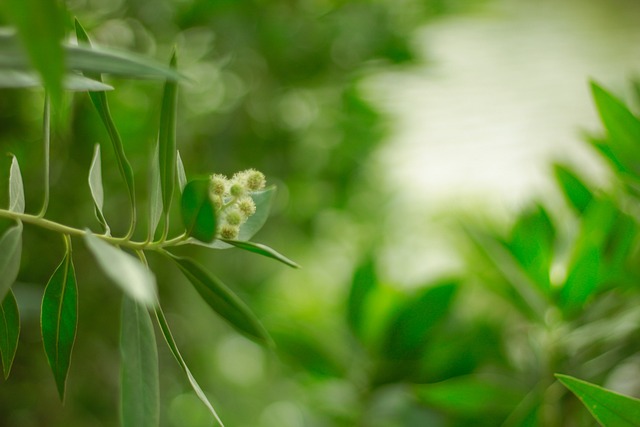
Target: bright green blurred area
[{"x": 280, "y": 86}]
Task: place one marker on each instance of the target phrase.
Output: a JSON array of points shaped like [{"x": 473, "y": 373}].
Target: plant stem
[{"x": 71, "y": 231}]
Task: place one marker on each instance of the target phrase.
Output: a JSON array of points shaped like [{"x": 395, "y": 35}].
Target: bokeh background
[{"x": 389, "y": 127}]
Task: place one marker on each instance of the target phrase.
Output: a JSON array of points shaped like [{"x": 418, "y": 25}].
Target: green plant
[{"x": 216, "y": 212}]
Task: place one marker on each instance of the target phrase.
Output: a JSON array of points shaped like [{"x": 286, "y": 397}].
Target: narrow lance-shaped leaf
[
  {"x": 9, "y": 331},
  {"x": 97, "y": 191},
  {"x": 609, "y": 408},
  {"x": 125, "y": 270},
  {"x": 198, "y": 211},
  {"x": 140, "y": 390},
  {"x": 182, "y": 175},
  {"x": 59, "y": 318},
  {"x": 155, "y": 196},
  {"x": 222, "y": 300},
  {"x": 167, "y": 141},
  {"x": 10, "y": 252},
  {"x": 166, "y": 332},
  {"x": 24, "y": 79},
  {"x": 99, "y": 100},
  {"x": 263, "y": 250},
  {"x": 16, "y": 188}
]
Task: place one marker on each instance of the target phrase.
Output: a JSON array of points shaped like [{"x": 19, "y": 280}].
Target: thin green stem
[
  {"x": 71, "y": 231},
  {"x": 46, "y": 142}
]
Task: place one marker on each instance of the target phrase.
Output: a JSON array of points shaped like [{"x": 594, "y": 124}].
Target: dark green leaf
[
  {"x": 10, "y": 253},
  {"x": 198, "y": 211},
  {"x": 16, "y": 188},
  {"x": 167, "y": 141},
  {"x": 263, "y": 250},
  {"x": 575, "y": 191},
  {"x": 222, "y": 300},
  {"x": 59, "y": 318},
  {"x": 166, "y": 332},
  {"x": 609, "y": 408},
  {"x": 363, "y": 283},
  {"x": 9, "y": 331},
  {"x": 124, "y": 270},
  {"x": 622, "y": 127},
  {"x": 407, "y": 333},
  {"x": 97, "y": 191},
  {"x": 41, "y": 29},
  {"x": 140, "y": 390}
]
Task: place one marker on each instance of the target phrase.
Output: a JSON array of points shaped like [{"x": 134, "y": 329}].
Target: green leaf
[
  {"x": 609, "y": 408},
  {"x": 168, "y": 336},
  {"x": 97, "y": 191},
  {"x": 182, "y": 176},
  {"x": 16, "y": 188},
  {"x": 167, "y": 140},
  {"x": 9, "y": 331},
  {"x": 263, "y": 250},
  {"x": 222, "y": 300},
  {"x": 471, "y": 396},
  {"x": 10, "y": 253},
  {"x": 40, "y": 25},
  {"x": 124, "y": 270},
  {"x": 140, "y": 390},
  {"x": 575, "y": 191},
  {"x": 59, "y": 318},
  {"x": 364, "y": 281},
  {"x": 622, "y": 127},
  {"x": 198, "y": 211},
  {"x": 155, "y": 198},
  {"x": 407, "y": 333},
  {"x": 26, "y": 79},
  {"x": 99, "y": 100}
]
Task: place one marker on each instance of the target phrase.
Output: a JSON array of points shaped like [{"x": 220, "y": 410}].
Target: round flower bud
[
  {"x": 218, "y": 184},
  {"x": 217, "y": 202},
  {"x": 255, "y": 180},
  {"x": 237, "y": 189},
  {"x": 247, "y": 206},
  {"x": 234, "y": 217},
  {"x": 228, "y": 231}
]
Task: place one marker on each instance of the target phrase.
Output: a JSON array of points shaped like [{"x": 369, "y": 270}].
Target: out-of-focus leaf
[
  {"x": 59, "y": 318},
  {"x": 125, "y": 270},
  {"x": 363, "y": 283},
  {"x": 16, "y": 188},
  {"x": 166, "y": 332},
  {"x": 182, "y": 175},
  {"x": 531, "y": 243},
  {"x": 140, "y": 390},
  {"x": 198, "y": 211},
  {"x": 263, "y": 250},
  {"x": 24, "y": 79},
  {"x": 40, "y": 25},
  {"x": 609, "y": 408},
  {"x": 471, "y": 396},
  {"x": 9, "y": 331},
  {"x": 97, "y": 191},
  {"x": 167, "y": 140},
  {"x": 575, "y": 191},
  {"x": 222, "y": 300},
  {"x": 10, "y": 253},
  {"x": 407, "y": 333},
  {"x": 155, "y": 196},
  {"x": 622, "y": 127}
]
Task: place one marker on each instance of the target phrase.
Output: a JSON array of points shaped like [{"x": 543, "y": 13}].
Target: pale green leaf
[
  {"x": 97, "y": 191},
  {"x": 24, "y": 79},
  {"x": 124, "y": 270},
  {"x": 10, "y": 253},
  {"x": 263, "y": 250},
  {"x": 155, "y": 195},
  {"x": 140, "y": 390},
  {"x": 16, "y": 188},
  {"x": 9, "y": 331},
  {"x": 182, "y": 175}
]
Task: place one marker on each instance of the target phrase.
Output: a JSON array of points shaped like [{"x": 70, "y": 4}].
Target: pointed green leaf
[
  {"x": 198, "y": 211},
  {"x": 363, "y": 283},
  {"x": 168, "y": 336},
  {"x": 9, "y": 331},
  {"x": 25, "y": 79},
  {"x": 97, "y": 191},
  {"x": 155, "y": 196},
  {"x": 182, "y": 175},
  {"x": 167, "y": 140},
  {"x": 622, "y": 127},
  {"x": 16, "y": 188},
  {"x": 124, "y": 270},
  {"x": 575, "y": 191},
  {"x": 222, "y": 300},
  {"x": 10, "y": 253},
  {"x": 263, "y": 250},
  {"x": 140, "y": 390},
  {"x": 609, "y": 408},
  {"x": 40, "y": 25},
  {"x": 59, "y": 319}
]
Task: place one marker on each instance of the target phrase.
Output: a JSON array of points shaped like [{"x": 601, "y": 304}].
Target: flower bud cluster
[{"x": 232, "y": 200}]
